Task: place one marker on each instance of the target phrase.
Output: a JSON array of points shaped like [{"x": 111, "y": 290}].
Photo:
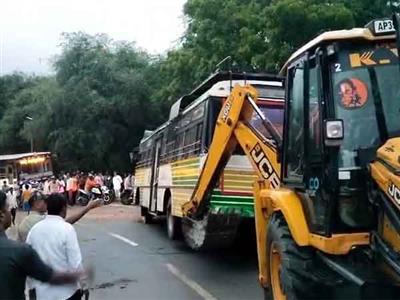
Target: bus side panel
[
  {"x": 142, "y": 178},
  {"x": 235, "y": 188},
  {"x": 164, "y": 182},
  {"x": 184, "y": 178},
  {"x": 238, "y": 176}
]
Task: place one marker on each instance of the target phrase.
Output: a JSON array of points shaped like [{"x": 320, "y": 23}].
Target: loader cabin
[{"x": 342, "y": 102}]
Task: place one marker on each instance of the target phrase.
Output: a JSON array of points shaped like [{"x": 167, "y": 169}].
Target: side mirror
[{"x": 334, "y": 132}]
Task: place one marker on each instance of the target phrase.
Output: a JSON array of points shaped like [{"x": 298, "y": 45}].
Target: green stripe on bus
[
  {"x": 231, "y": 198},
  {"x": 243, "y": 211}
]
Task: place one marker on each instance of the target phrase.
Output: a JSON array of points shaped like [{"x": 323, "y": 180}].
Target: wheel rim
[{"x": 275, "y": 269}]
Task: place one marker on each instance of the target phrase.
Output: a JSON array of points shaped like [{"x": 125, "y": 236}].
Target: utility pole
[{"x": 29, "y": 118}]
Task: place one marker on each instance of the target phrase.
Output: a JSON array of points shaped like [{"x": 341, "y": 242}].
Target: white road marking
[
  {"x": 124, "y": 239},
  {"x": 190, "y": 283}
]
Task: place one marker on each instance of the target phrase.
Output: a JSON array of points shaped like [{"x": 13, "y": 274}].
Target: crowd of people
[
  {"x": 46, "y": 262},
  {"x": 67, "y": 184}
]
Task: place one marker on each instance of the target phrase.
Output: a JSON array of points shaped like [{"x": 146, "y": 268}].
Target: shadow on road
[{"x": 243, "y": 252}]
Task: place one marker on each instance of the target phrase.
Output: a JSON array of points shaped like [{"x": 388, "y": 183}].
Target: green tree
[
  {"x": 259, "y": 35},
  {"x": 35, "y": 100},
  {"x": 291, "y": 23},
  {"x": 106, "y": 102}
]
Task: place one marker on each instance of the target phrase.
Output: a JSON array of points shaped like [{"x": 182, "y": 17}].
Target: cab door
[
  {"x": 303, "y": 166},
  {"x": 155, "y": 173}
]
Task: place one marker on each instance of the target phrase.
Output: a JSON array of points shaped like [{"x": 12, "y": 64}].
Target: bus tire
[
  {"x": 173, "y": 223},
  {"x": 137, "y": 197},
  {"x": 290, "y": 266},
  {"x": 147, "y": 217}
]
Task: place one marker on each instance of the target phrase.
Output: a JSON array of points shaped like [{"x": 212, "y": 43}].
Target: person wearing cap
[{"x": 39, "y": 212}]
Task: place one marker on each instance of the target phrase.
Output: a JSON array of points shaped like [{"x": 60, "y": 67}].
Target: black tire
[
  {"x": 107, "y": 199},
  {"x": 295, "y": 271},
  {"x": 173, "y": 223},
  {"x": 147, "y": 217},
  {"x": 126, "y": 198},
  {"x": 112, "y": 196},
  {"x": 137, "y": 197}
]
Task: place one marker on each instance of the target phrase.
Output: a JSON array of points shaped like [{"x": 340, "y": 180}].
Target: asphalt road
[{"x": 137, "y": 261}]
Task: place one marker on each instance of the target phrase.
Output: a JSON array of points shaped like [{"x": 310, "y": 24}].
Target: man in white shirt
[
  {"x": 46, "y": 187},
  {"x": 12, "y": 203},
  {"x": 56, "y": 242},
  {"x": 117, "y": 183}
]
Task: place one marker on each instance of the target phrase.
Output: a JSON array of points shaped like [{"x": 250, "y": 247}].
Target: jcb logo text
[
  {"x": 227, "y": 109},
  {"x": 264, "y": 166},
  {"x": 394, "y": 192}
]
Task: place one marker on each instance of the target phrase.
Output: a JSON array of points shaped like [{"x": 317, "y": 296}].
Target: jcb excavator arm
[{"x": 232, "y": 128}]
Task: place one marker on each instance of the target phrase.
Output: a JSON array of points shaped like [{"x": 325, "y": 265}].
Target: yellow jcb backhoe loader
[{"x": 327, "y": 198}]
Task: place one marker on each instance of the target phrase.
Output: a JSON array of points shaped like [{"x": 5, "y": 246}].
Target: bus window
[
  {"x": 198, "y": 112},
  {"x": 274, "y": 113},
  {"x": 270, "y": 92}
]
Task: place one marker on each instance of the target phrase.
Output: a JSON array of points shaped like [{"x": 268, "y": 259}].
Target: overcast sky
[{"x": 30, "y": 29}]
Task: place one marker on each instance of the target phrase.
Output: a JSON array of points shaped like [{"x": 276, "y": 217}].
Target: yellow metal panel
[
  {"x": 261, "y": 221},
  {"x": 339, "y": 244},
  {"x": 288, "y": 203},
  {"x": 180, "y": 197},
  {"x": 140, "y": 176},
  {"x": 383, "y": 173},
  {"x": 389, "y": 152}
]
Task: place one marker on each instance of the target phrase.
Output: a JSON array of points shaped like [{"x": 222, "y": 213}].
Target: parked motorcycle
[
  {"x": 84, "y": 197},
  {"x": 106, "y": 194}
]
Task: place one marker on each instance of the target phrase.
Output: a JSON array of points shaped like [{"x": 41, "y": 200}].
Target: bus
[
  {"x": 170, "y": 158},
  {"x": 25, "y": 166}
]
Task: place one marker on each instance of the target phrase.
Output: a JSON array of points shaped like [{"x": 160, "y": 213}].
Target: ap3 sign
[{"x": 383, "y": 26}]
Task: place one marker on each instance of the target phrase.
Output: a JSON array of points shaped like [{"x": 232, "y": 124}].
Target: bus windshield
[
  {"x": 272, "y": 111},
  {"x": 367, "y": 98}
]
